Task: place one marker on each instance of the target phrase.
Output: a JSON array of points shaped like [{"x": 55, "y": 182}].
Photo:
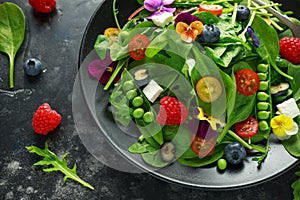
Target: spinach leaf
[
  {"x": 140, "y": 147},
  {"x": 294, "y": 71},
  {"x": 200, "y": 162},
  {"x": 12, "y": 32},
  {"x": 292, "y": 144},
  {"x": 154, "y": 159},
  {"x": 296, "y": 187},
  {"x": 101, "y": 46}
]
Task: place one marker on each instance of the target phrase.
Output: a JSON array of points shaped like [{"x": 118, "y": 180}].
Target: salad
[{"x": 202, "y": 82}]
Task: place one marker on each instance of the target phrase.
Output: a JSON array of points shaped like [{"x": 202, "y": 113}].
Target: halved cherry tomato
[
  {"x": 202, "y": 147},
  {"x": 112, "y": 34},
  {"x": 247, "y": 128},
  {"x": 137, "y": 46},
  {"x": 209, "y": 89},
  {"x": 214, "y": 9},
  {"x": 247, "y": 82}
]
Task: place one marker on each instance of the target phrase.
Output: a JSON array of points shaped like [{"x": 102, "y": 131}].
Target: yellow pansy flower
[
  {"x": 211, "y": 120},
  {"x": 283, "y": 126}
]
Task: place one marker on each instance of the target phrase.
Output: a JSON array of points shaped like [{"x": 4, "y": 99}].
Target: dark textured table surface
[{"x": 55, "y": 40}]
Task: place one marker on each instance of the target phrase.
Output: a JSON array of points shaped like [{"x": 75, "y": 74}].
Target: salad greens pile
[{"x": 168, "y": 48}]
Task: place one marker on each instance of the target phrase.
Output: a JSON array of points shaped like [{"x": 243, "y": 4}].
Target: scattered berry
[
  {"x": 234, "y": 153},
  {"x": 32, "y": 67},
  {"x": 45, "y": 119},
  {"x": 43, "y": 6},
  {"x": 243, "y": 13},
  {"x": 290, "y": 49},
  {"x": 210, "y": 33},
  {"x": 171, "y": 112}
]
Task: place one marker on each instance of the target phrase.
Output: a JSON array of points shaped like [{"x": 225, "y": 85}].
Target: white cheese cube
[
  {"x": 152, "y": 90},
  {"x": 289, "y": 108}
]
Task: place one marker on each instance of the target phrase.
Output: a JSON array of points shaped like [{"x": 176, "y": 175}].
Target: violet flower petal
[
  {"x": 167, "y": 2},
  {"x": 95, "y": 68},
  {"x": 186, "y": 18},
  {"x": 152, "y": 5}
]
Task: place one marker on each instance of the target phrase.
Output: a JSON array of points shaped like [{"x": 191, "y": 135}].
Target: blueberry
[
  {"x": 210, "y": 33},
  {"x": 243, "y": 13},
  {"x": 234, "y": 153},
  {"x": 32, "y": 67}
]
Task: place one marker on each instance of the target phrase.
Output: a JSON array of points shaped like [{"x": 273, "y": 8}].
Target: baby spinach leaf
[
  {"x": 292, "y": 144},
  {"x": 294, "y": 71},
  {"x": 154, "y": 159},
  {"x": 140, "y": 147},
  {"x": 12, "y": 31},
  {"x": 296, "y": 186},
  {"x": 101, "y": 46},
  {"x": 56, "y": 164}
]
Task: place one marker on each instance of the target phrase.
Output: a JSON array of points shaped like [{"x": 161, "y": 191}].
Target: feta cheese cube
[
  {"x": 289, "y": 108},
  {"x": 152, "y": 90}
]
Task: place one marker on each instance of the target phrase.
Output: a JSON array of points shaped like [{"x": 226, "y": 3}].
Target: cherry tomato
[
  {"x": 247, "y": 128},
  {"x": 202, "y": 147},
  {"x": 112, "y": 34},
  {"x": 208, "y": 89},
  {"x": 247, "y": 82},
  {"x": 214, "y": 9},
  {"x": 137, "y": 46}
]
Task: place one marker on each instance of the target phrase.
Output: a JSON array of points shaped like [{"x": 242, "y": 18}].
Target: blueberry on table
[
  {"x": 234, "y": 153},
  {"x": 32, "y": 67},
  {"x": 210, "y": 33},
  {"x": 243, "y": 13}
]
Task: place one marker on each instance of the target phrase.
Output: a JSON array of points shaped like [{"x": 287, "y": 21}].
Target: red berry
[
  {"x": 171, "y": 112},
  {"x": 43, "y": 6},
  {"x": 45, "y": 119},
  {"x": 290, "y": 49}
]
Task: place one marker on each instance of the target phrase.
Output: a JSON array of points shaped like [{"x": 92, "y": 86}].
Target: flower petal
[
  {"x": 95, "y": 68},
  {"x": 197, "y": 25},
  {"x": 167, "y": 2},
  {"x": 186, "y": 18},
  {"x": 279, "y": 132},
  {"x": 168, "y": 9},
  {"x": 181, "y": 27},
  {"x": 293, "y": 131},
  {"x": 152, "y": 5}
]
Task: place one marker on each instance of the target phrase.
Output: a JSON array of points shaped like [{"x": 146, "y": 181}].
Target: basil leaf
[{"x": 12, "y": 31}]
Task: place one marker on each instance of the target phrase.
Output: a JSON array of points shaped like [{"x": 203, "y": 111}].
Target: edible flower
[
  {"x": 211, "y": 120},
  {"x": 188, "y": 26},
  {"x": 158, "y": 7},
  {"x": 253, "y": 36},
  {"x": 283, "y": 126},
  {"x": 202, "y": 129},
  {"x": 102, "y": 69}
]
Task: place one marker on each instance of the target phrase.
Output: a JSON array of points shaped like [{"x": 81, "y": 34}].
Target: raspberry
[
  {"x": 45, "y": 119},
  {"x": 171, "y": 112},
  {"x": 43, "y": 6},
  {"x": 290, "y": 49}
]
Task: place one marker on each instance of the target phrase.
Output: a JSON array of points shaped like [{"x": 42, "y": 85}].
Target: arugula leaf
[
  {"x": 57, "y": 164},
  {"x": 12, "y": 32}
]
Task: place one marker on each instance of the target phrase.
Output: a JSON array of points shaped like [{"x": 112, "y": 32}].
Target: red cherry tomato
[
  {"x": 202, "y": 147},
  {"x": 247, "y": 128},
  {"x": 247, "y": 82},
  {"x": 137, "y": 46},
  {"x": 214, "y": 9}
]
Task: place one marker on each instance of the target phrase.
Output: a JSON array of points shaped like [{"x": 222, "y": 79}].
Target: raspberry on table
[
  {"x": 171, "y": 112},
  {"x": 43, "y": 6},
  {"x": 290, "y": 49},
  {"x": 45, "y": 119}
]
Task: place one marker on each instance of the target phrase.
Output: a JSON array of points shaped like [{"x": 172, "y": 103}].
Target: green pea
[
  {"x": 148, "y": 117},
  {"x": 222, "y": 164},
  {"x": 262, "y": 96},
  {"x": 263, "y": 115},
  {"x": 128, "y": 85},
  {"x": 262, "y": 76},
  {"x": 138, "y": 113},
  {"x": 131, "y": 94},
  {"x": 263, "y": 105},
  {"x": 262, "y": 67},
  {"x": 263, "y": 85},
  {"x": 137, "y": 101},
  {"x": 263, "y": 125}
]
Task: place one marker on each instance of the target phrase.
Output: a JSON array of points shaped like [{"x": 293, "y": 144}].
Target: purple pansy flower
[
  {"x": 187, "y": 18},
  {"x": 158, "y": 7},
  {"x": 253, "y": 36},
  {"x": 102, "y": 69},
  {"x": 202, "y": 128}
]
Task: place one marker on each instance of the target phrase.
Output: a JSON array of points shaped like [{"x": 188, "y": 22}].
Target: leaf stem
[
  {"x": 115, "y": 12},
  {"x": 115, "y": 73},
  {"x": 11, "y": 71}
]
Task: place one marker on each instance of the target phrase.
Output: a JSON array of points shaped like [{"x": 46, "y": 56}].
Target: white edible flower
[{"x": 162, "y": 19}]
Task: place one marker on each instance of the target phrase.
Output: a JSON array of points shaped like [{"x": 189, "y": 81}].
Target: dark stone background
[{"x": 55, "y": 40}]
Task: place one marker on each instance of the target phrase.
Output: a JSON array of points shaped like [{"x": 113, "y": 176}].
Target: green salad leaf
[
  {"x": 296, "y": 187},
  {"x": 12, "y": 32},
  {"x": 57, "y": 164}
]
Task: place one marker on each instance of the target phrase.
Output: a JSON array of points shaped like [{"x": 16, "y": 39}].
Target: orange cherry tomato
[
  {"x": 247, "y": 82},
  {"x": 137, "y": 46},
  {"x": 214, "y": 9}
]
